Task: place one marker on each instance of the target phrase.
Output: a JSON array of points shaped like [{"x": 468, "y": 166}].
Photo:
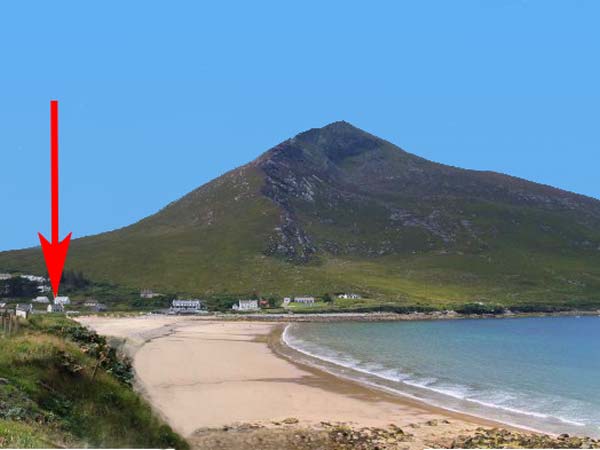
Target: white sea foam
[{"x": 496, "y": 400}]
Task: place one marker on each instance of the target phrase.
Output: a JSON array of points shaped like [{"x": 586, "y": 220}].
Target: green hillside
[
  {"x": 336, "y": 209},
  {"x": 62, "y": 386}
]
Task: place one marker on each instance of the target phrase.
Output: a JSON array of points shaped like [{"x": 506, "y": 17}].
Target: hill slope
[
  {"x": 337, "y": 209},
  {"x": 63, "y": 386}
]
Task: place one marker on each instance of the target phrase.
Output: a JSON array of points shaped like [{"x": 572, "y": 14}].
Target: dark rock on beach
[{"x": 499, "y": 438}]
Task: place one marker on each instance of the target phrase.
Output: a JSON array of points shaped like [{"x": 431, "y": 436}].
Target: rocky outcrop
[
  {"x": 292, "y": 434},
  {"x": 501, "y": 438}
]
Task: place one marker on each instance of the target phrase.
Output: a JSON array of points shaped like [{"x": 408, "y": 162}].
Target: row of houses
[
  {"x": 179, "y": 306},
  {"x": 197, "y": 306},
  {"x": 25, "y": 309},
  {"x": 58, "y": 300},
  {"x": 56, "y": 306},
  {"x": 42, "y": 282},
  {"x": 253, "y": 305}
]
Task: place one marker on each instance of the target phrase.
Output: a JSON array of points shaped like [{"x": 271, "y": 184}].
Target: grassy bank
[{"x": 63, "y": 386}]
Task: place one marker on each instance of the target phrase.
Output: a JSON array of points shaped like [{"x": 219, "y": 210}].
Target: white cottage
[
  {"x": 62, "y": 301},
  {"x": 246, "y": 305},
  {"x": 305, "y": 300},
  {"x": 23, "y": 310},
  {"x": 41, "y": 299}
]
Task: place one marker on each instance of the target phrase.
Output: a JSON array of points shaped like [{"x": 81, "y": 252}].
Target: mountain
[{"x": 336, "y": 209}]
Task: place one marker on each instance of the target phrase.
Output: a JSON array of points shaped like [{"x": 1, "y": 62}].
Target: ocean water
[{"x": 540, "y": 373}]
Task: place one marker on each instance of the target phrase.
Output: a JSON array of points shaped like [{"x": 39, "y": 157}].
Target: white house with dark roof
[
  {"x": 55, "y": 308},
  {"x": 23, "y": 310}
]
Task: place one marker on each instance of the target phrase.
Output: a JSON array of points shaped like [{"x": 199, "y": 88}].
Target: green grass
[
  {"x": 15, "y": 434},
  {"x": 50, "y": 397}
]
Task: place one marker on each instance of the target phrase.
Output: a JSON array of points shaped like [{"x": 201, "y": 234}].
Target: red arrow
[{"x": 55, "y": 253}]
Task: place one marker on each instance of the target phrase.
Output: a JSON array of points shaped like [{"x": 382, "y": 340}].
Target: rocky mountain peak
[{"x": 319, "y": 148}]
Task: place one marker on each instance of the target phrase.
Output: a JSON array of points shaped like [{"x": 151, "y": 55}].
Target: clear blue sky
[{"x": 159, "y": 98}]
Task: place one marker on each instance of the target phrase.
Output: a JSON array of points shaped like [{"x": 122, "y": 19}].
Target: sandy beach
[{"x": 202, "y": 374}]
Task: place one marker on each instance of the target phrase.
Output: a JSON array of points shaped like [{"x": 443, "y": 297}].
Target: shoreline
[
  {"x": 357, "y": 316},
  {"x": 282, "y": 349}
]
